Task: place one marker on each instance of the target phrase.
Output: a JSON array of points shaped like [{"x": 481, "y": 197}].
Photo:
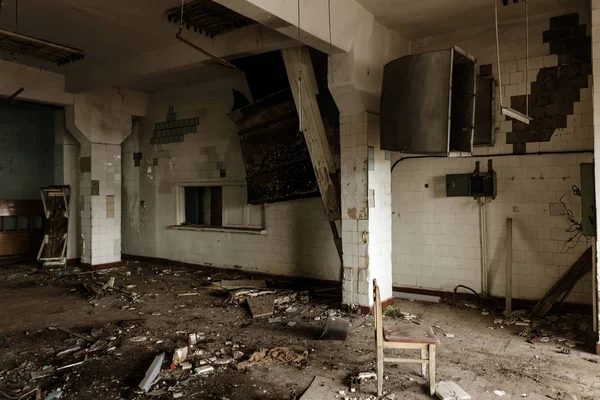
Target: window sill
[{"x": 225, "y": 229}]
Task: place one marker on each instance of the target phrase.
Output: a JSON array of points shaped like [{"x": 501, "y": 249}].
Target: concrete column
[
  {"x": 380, "y": 211},
  {"x": 355, "y": 84},
  {"x": 354, "y": 209},
  {"x": 366, "y": 211},
  {"x": 100, "y": 204},
  {"x": 66, "y": 172},
  {"x": 596, "y": 106}
]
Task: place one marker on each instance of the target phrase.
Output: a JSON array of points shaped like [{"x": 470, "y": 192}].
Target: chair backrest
[{"x": 377, "y": 311}]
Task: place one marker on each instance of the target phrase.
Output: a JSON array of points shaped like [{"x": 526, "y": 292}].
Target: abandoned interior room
[{"x": 299, "y": 199}]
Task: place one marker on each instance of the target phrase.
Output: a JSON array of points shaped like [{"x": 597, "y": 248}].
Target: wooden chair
[{"x": 406, "y": 336}]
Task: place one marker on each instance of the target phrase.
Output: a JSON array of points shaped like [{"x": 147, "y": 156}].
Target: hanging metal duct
[{"x": 428, "y": 103}]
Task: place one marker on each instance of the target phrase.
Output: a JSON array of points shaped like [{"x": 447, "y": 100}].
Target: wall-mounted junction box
[{"x": 476, "y": 184}]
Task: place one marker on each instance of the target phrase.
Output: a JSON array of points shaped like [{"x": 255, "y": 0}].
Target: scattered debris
[
  {"x": 278, "y": 355},
  {"x": 180, "y": 355},
  {"x": 450, "y": 335},
  {"x": 152, "y": 372},
  {"x": 188, "y": 294},
  {"x": 261, "y": 306},
  {"x": 318, "y": 389},
  {"x": 138, "y": 339},
  {"x": 416, "y": 297},
  {"x": 54, "y": 395},
  {"x": 366, "y": 375},
  {"x": 335, "y": 329},
  {"x": 42, "y": 374},
  {"x": 205, "y": 369},
  {"x": 500, "y": 393},
  {"x": 449, "y": 390},
  {"x": 241, "y": 284},
  {"x": 70, "y": 332}
]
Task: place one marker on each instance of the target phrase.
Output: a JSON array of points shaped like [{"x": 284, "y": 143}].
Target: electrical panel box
[
  {"x": 483, "y": 185},
  {"x": 588, "y": 200},
  {"x": 476, "y": 184},
  {"x": 458, "y": 185}
]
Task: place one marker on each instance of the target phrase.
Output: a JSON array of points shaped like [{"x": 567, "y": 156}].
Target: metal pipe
[
  {"x": 218, "y": 59},
  {"x": 15, "y": 94}
]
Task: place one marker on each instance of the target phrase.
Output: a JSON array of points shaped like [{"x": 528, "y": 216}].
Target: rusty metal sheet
[{"x": 275, "y": 154}]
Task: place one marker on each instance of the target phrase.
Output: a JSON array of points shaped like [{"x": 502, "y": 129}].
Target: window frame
[{"x": 179, "y": 191}]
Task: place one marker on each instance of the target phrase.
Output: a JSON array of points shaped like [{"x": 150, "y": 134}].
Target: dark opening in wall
[{"x": 265, "y": 73}]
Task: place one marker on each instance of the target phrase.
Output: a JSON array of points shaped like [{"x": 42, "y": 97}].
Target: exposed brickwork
[{"x": 557, "y": 88}]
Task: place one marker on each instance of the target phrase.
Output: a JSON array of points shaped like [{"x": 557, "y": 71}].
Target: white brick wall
[
  {"x": 298, "y": 240},
  {"x": 436, "y": 240}
]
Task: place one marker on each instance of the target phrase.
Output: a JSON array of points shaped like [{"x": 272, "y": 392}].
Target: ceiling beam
[
  {"x": 315, "y": 16},
  {"x": 254, "y": 39}
]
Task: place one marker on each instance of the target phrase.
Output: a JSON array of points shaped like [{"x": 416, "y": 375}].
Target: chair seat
[{"x": 410, "y": 333}]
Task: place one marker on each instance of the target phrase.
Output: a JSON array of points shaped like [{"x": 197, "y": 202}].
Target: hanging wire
[
  {"x": 300, "y": 112},
  {"x": 181, "y": 18},
  {"x": 526, "y": 57},
  {"x": 498, "y": 52},
  {"x": 330, "y": 52},
  {"x": 18, "y": 39},
  {"x": 575, "y": 228}
]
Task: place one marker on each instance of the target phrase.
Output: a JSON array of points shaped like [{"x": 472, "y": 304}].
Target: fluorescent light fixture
[{"x": 509, "y": 112}]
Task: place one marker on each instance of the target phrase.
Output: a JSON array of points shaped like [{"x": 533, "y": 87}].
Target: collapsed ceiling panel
[
  {"x": 208, "y": 17},
  {"x": 38, "y": 48},
  {"x": 275, "y": 154}
]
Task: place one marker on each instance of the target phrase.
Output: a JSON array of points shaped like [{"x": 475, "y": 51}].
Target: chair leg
[
  {"x": 432, "y": 369},
  {"x": 379, "y": 369},
  {"x": 424, "y": 356}
]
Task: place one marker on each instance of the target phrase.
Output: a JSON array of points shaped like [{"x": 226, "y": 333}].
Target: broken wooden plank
[
  {"x": 241, "y": 284},
  {"x": 70, "y": 332},
  {"x": 301, "y": 76},
  {"x": 262, "y": 306},
  {"x": 450, "y": 391},
  {"x": 320, "y": 389},
  {"x": 509, "y": 235},
  {"x": 564, "y": 284}
]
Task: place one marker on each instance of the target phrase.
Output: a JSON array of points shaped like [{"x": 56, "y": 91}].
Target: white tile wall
[
  {"x": 380, "y": 211},
  {"x": 354, "y": 208},
  {"x": 298, "y": 240},
  {"x": 101, "y": 234},
  {"x": 436, "y": 240}
]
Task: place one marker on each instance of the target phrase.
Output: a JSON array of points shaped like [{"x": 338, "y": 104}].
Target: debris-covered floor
[{"x": 57, "y": 336}]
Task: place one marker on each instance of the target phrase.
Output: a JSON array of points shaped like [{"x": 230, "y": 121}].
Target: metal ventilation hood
[{"x": 428, "y": 103}]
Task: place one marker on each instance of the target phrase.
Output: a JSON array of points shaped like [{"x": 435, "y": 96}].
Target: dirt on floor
[{"x": 59, "y": 336}]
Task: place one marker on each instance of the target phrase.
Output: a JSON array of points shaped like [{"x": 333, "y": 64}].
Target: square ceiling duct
[{"x": 428, "y": 103}]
